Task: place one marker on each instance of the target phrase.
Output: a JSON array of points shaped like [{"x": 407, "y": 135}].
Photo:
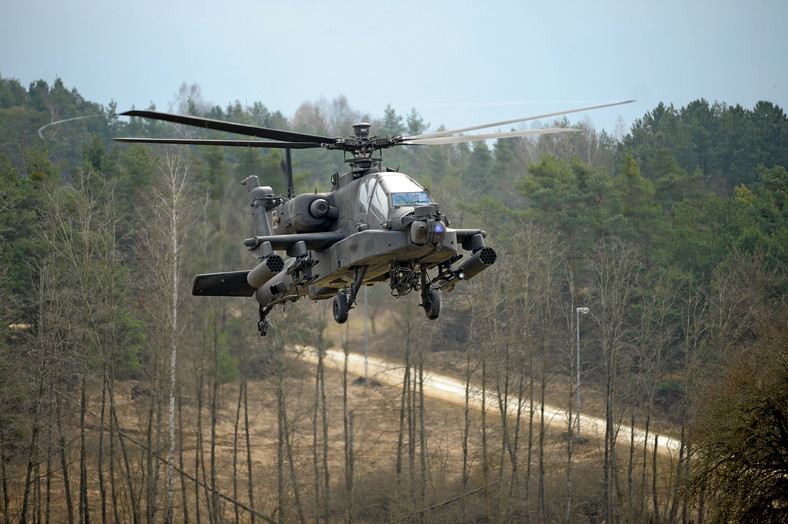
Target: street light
[{"x": 583, "y": 311}]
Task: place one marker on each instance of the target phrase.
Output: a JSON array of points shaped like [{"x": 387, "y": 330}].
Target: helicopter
[{"x": 375, "y": 225}]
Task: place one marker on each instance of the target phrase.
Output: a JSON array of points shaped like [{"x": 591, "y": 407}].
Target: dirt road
[{"x": 452, "y": 390}]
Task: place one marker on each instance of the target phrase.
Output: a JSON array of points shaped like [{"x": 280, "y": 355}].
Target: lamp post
[{"x": 583, "y": 311}]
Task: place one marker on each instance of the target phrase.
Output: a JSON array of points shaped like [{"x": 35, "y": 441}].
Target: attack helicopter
[{"x": 375, "y": 225}]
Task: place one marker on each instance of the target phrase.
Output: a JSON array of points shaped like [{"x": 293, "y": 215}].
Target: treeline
[{"x": 674, "y": 237}]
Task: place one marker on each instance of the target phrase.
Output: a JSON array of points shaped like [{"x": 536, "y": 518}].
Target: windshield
[{"x": 404, "y": 191}]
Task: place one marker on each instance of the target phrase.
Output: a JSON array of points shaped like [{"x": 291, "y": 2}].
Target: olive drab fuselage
[{"x": 374, "y": 226}]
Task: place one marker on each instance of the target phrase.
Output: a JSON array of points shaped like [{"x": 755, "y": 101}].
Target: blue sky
[{"x": 458, "y": 62}]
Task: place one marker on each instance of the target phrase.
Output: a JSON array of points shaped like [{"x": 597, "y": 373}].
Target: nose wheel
[
  {"x": 345, "y": 299},
  {"x": 430, "y": 298},
  {"x": 341, "y": 307}
]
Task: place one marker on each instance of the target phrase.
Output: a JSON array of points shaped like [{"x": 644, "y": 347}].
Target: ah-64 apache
[{"x": 375, "y": 225}]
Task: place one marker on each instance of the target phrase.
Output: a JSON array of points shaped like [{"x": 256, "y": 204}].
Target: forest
[{"x": 125, "y": 399}]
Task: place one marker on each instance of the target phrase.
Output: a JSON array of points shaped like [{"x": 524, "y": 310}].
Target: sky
[{"x": 458, "y": 63}]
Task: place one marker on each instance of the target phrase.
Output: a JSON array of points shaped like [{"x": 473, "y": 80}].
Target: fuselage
[{"x": 371, "y": 212}]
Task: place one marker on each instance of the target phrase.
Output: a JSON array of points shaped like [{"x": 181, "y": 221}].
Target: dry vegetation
[{"x": 381, "y": 460}]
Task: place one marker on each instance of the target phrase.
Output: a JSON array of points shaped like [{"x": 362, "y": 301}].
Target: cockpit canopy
[
  {"x": 380, "y": 197},
  {"x": 404, "y": 191}
]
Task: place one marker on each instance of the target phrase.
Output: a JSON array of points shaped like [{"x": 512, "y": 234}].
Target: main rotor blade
[
  {"x": 231, "y": 127},
  {"x": 515, "y": 121},
  {"x": 211, "y": 142},
  {"x": 440, "y": 140}
]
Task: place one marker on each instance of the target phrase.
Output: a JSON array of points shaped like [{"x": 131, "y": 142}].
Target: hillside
[{"x": 675, "y": 238}]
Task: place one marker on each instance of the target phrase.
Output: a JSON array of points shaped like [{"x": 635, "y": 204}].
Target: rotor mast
[{"x": 362, "y": 147}]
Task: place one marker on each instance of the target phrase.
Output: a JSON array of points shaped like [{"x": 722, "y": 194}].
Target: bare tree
[
  {"x": 78, "y": 228},
  {"x": 169, "y": 215},
  {"x": 190, "y": 101},
  {"x": 347, "y": 419},
  {"x": 655, "y": 335},
  {"x": 741, "y": 434},
  {"x": 615, "y": 268},
  {"x": 695, "y": 332},
  {"x": 471, "y": 366},
  {"x": 320, "y": 438}
]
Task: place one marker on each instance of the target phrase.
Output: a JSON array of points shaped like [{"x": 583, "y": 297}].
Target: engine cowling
[{"x": 307, "y": 213}]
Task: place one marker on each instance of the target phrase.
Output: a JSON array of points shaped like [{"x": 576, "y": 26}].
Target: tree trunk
[
  {"x": 64, "y": 460},
  {"x": 403, "y": 416},
  {"x": 320, "y": 441},
  {"x": 198, "y": 448},
  {"x": 347, "y": 416},
  {"x": 531, "y": 414},
  {"x": 102, "y": 429},
  {"x": 422, "y": 433},
  {"x": 654, "y": 491},
  {"x": 466, "y": 431},
  {"x": 181, "y": 462},
  {"x": 4, "y": 478},
  {"x": 84, "y": 505},
  {"x": 248, "y": 437},
  {"x": 215, "y": 509},
  {"x": 135, "y": 505},
  {"x": 113, "y": 435},
  {"x": 31, "y": 461},
  {"x": 541, "y": 451},
  {"x": 485, "y": 460},
  {"x": 290, "y": 459},
  {"x": 236, "y": 429}
]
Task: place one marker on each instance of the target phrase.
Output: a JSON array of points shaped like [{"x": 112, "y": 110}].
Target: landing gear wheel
[
  {"x": 340, "y": 308},
  {"x": 432, "y": 304}
]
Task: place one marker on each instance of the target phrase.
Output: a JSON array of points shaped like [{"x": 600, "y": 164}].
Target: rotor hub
[{"x": 361, "y": 130}]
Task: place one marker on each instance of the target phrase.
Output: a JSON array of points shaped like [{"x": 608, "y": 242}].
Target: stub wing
[
  {"x": 314, "y": 241},
  {"x": 236, "y": 283}
]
